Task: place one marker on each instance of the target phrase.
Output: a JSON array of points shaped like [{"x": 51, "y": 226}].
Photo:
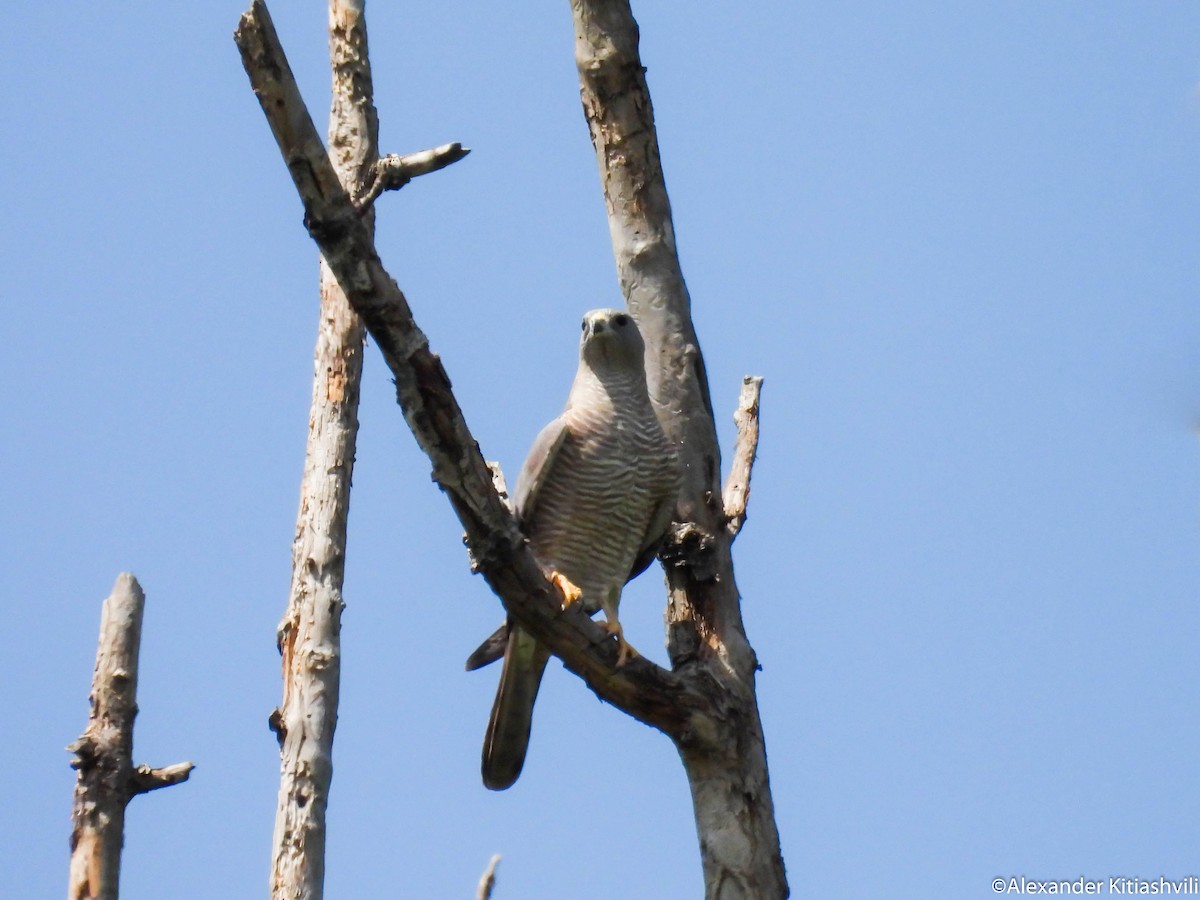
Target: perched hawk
[{"x": 594, "y": 497}]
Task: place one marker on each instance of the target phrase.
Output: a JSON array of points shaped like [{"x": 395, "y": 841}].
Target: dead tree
[
  {"x": 309, "y": 635},
  {"x": 705, "y": 702},
  {"x": 107, "y": 778},
  {"x": 726, "y": 763}
]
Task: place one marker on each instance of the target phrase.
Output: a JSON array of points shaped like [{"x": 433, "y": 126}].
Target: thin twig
[
  {"x": 146, "y": 779},
  {"x": 392, "y": 172},
  {"x": 487, "y": 882},
  {"x": 736, "y": 493}
]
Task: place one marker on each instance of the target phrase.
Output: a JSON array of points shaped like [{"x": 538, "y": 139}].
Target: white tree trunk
[
  {"x": 726, "y": 763},
  {"x": 310, "y": 633}
]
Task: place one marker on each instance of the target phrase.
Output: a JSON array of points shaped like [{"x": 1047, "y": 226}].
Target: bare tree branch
[
  {"x": 736, "y": 494},
  {"x": 487, "y": 882},
  {"x": 310, "y": 632},
  {"x": 146, "y": 778},
  {"x": 647, "y": 692},
  {"x": 707, "y": 705},
  {"x": 393, "y": 172},
  {"x": 107, "y": 779},
  {"x": 727, "y": 765}
]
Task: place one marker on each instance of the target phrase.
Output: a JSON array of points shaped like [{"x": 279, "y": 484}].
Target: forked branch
[
  {"x": 727, "y": 773},
  {"x": 642, "y": 689},
  {"x": 309, "y": 634}
]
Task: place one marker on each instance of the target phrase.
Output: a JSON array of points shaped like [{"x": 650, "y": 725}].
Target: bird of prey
[{"x": 594, "y": 498}]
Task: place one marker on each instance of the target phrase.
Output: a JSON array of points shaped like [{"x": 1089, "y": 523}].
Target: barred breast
[{"x": 612, "y": 474}]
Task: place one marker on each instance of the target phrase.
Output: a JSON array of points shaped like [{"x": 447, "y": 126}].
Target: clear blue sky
[{"x": 960, "y": 241}]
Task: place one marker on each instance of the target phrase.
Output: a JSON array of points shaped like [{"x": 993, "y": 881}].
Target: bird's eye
[
  {"x": 621, "y": 320},
  {"x": 583, "y": 325}
]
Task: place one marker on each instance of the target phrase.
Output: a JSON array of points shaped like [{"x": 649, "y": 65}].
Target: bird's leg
[
  {"x": 570, "y": 593},
  {"x": 612, "y": 625}
]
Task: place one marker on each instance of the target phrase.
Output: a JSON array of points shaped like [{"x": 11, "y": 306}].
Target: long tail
[{"x": 507, "y": 737}]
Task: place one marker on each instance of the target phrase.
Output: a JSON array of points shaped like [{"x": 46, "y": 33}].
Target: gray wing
[
  {"x": 533, "y": 476},
  {"x": 538, "y": 465},
  {"x": 653, "y": 539}
]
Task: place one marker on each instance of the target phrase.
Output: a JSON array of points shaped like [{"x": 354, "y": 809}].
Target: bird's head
[{"x": 611, "y": 338}]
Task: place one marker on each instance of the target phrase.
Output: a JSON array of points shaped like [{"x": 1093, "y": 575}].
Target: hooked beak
[{"x": 598, "y": 325}]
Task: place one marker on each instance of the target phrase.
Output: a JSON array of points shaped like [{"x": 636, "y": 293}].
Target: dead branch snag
[
  {"x": 310, "y": 632},
  {"x": 736, "y": 493},
  {"x": 726, "y": 764},
  {"x": 393, "y": 172},
  {"x": 146, "y": 778},
  {"x": 107, "y": 779},
  {"x": 487, "y": 881},
  {"x": 642, "y": 689}
]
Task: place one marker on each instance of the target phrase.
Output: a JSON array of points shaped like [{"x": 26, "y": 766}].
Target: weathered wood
[
  {"x": 107, "y": 779},
  {"x": 707, "y": 703},
  {"x": 393, "y": 172},
  {"x": 726, "y": 764},
  {"x": 644, "y": 690},
  {"x": 736, "y": 494},
  {"x": 487, "y": 881},
  {"x": 310, "y": 632}
]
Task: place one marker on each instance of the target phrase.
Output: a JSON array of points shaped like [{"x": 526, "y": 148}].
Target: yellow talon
[
  {"x": 625, "y": 651},
  {"x": 612, "y": 625},
  {"x": 570, "y": 593}
]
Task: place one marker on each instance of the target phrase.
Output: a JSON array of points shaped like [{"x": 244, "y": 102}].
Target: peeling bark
[{"x": 310, "y": 632}]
